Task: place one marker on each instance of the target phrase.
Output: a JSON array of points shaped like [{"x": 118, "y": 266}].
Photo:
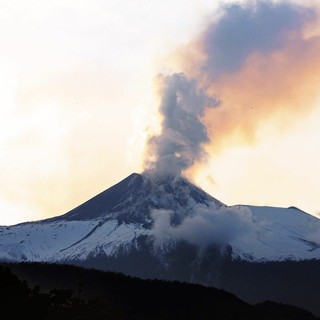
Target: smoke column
[{"x": 183, "y": 133}]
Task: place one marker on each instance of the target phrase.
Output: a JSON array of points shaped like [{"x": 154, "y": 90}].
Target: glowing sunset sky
[{"x": 78, "y": 99}]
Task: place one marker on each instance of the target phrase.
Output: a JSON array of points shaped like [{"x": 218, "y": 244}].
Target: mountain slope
[{"x": 283, "y": 234}]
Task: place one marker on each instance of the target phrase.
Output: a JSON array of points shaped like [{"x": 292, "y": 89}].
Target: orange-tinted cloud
[
  {"x": 278, "y": 88},
  {"x": 262, "y": 60}
]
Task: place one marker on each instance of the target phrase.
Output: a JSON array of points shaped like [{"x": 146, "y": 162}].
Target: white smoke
[
  {"x": 207, "y": 226},
  {"x": 183, "y": 133}
]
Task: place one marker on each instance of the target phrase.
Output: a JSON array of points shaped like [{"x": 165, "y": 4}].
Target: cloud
[{"x": 207, "y": 226}]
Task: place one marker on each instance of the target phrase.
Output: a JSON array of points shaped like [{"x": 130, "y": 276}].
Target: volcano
[{"x": 118, "y": 230}]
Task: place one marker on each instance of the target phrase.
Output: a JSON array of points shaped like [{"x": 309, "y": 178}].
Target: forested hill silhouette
[{"x": 44, "y": 291}]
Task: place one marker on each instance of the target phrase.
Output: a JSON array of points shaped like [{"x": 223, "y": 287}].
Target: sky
[{"x": 80, "y": 96}]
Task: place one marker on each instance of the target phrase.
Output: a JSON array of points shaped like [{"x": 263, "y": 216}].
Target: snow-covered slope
[
  {"x": 121, "y": 220},
  {"x": 281, "y": 234},
  {"x": 58, "y": 241}
]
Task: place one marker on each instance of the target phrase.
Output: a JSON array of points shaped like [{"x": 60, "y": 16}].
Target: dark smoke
[{"x": 183, "y": 133}]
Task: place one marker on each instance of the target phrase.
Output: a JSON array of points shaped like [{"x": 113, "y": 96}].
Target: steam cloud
[{"x": 207, "y": 226}]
